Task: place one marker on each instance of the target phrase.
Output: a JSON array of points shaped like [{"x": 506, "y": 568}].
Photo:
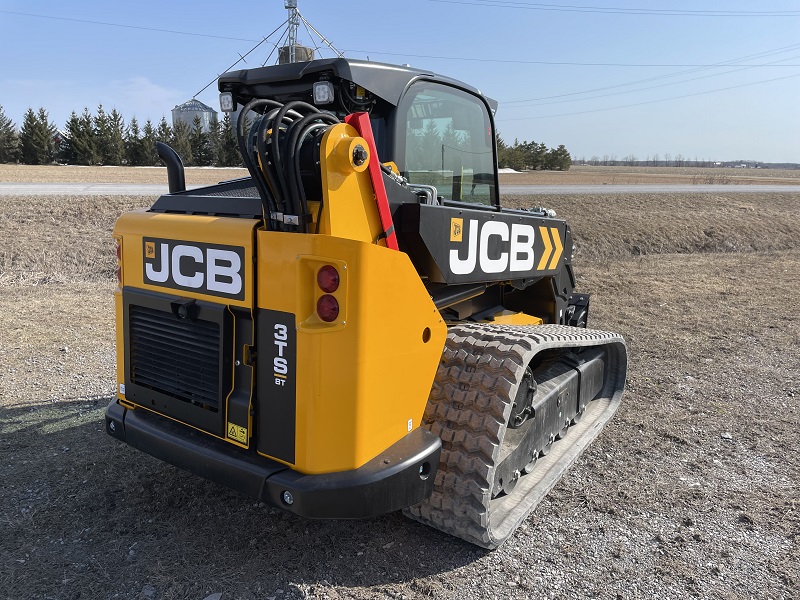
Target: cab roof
[{"x": 386, "y": 81}]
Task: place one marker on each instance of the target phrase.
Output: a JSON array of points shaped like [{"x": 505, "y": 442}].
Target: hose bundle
[{"x": 270, "y": 150}]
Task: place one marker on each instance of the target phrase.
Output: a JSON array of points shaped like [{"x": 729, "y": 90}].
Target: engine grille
[{"x": 176, "y": 357}]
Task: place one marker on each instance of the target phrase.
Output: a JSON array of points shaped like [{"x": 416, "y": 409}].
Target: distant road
[
  {"x": 125, "y": 189},
  {"x": 526, "y": 190},
  {"x": 82, "y": 189}
]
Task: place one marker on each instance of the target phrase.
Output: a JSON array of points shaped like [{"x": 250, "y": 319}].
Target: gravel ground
[{"x": 690, "y": 491}]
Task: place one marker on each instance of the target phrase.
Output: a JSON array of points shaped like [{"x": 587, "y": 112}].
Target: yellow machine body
[
  {"x": 342, "y": 338},
  {"x": 363, "y": 380}
]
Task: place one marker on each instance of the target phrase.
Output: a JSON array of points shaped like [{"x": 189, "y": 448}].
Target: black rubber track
[{"x": 469, "y": 407}]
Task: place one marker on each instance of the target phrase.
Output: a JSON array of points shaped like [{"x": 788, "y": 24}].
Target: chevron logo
[{"x": 553, "y": 248}]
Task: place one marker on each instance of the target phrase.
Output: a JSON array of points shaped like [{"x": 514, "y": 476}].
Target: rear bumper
[{"x": 400, "y": 476}]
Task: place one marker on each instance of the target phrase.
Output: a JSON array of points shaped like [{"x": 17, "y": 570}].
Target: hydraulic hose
[{"x": 276, "y": 139}]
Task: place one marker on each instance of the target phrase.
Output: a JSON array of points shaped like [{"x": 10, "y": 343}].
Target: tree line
[
  {"x": 103, "y": 138},
  {"x": 525, "y": 156}
]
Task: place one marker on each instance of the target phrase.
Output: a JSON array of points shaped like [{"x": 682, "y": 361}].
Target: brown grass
[
  {"x": 55, "y": 239},
  {"x": 577, "y": 175},
  {"x": 629, "y": 225},
  {"x": 129, "y": 175},
  {"x": 590, "y": 175}
]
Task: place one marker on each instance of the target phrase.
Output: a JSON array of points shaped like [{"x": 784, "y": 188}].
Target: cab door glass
[{"x": 448, "y": 143}]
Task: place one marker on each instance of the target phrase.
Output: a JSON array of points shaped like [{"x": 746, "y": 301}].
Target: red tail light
[
  {"x": 328, "y": 279},
  {"x": 328, "y": 308}
]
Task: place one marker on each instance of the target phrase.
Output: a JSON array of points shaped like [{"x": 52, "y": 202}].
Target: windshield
[{"x": 448, "y": 143}]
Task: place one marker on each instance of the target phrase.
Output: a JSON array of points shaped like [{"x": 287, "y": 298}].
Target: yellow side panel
[
  {"x": 120, "y": 335},
  {"x": 363, "y": 380},
  {"x": 349, "y": 209},
  {"x": 512, "y": 318},
  {"x": 194, "y": 230}
]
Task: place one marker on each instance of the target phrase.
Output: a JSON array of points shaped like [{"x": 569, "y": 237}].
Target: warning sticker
[{"x": 237, "y": 433}]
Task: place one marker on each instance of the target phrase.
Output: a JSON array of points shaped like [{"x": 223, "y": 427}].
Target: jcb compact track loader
[{"x": 359, "y": 326}]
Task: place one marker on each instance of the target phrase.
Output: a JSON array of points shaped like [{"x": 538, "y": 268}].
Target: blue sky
[{"x": 506, "y": 48}]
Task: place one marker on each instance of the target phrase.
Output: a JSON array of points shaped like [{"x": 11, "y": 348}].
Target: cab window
[{"x": 448, "y": 142}]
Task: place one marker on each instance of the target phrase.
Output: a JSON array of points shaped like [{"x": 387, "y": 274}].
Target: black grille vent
[
  {"x": 176, "y": 357},
  {"x": 248, "y": 192}
]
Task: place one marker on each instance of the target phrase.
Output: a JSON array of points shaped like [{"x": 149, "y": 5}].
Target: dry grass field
[
  {"x": 577, "y": 175},
  {"x": 692, "y": 489}
]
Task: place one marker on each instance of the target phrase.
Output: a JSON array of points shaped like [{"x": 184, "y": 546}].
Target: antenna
[
  {"x": 292, "y": 27},
  {"x": 293, "y": 51}
]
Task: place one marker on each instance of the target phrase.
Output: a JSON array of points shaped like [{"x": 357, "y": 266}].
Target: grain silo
[{"x": 187, "y": 112}]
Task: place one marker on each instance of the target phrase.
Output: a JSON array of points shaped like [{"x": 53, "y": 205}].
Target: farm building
[{"x": 187, "y": 111}]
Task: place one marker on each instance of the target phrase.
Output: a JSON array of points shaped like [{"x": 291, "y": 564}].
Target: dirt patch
[{"x": 691, "y": 489}]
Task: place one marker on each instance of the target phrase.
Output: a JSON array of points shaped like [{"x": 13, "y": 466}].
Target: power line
[
  {"x": 403, "y": 54},
  {"x": 651, "y": 87},
  {"x": 552, "y": 63},
  {"x": 726, "y": 63},
  {"x": 584, "y": 112},
  {"x": 243, "y": 56},
  {"x": 170, "y": 31},
  {"x": 620, "y": 10}
]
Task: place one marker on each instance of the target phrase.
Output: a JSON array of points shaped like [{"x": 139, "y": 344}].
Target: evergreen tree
[
  {"x": 102, "y": 135},
  {"x": 558, "y": 159},
  {"x": 36, "y": 138},
  {"x": 9, "y": 139},
  {"x": 182, "y": 143},
  {"x": 200, "y": 144},
  {"x": 134, "y": 154},
  {"x": 164, "y": 131},
  {"x": 215, "y": 141},
  {"x": 115, "y": 153},
  {"x": 70, "y": 128},
  {"x": 453, "y": 143},
  {"x": 430, "y": 148},
  {"x": 81, "y": 142},
  {"x": 513, "y": 157},
  {"x": 533, "y": 155},
  {"x": 503, "y": 153},
  {"x": 149, "y": 137},
  {"x": 229, "y": 153}
]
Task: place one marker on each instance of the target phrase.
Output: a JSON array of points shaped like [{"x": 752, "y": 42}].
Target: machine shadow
[{"x": 76, "y": 496}]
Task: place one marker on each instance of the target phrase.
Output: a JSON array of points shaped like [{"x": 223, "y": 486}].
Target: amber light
[
  {"x": 328, "y": 279},
  {"x": 328, "y": 308}
]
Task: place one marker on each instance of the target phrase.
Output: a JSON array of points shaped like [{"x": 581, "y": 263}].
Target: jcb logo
[
  {"x": 456, "y": 229},
  {"x": 208, "y": 269},
  {"x": 515, "y": 245}
]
